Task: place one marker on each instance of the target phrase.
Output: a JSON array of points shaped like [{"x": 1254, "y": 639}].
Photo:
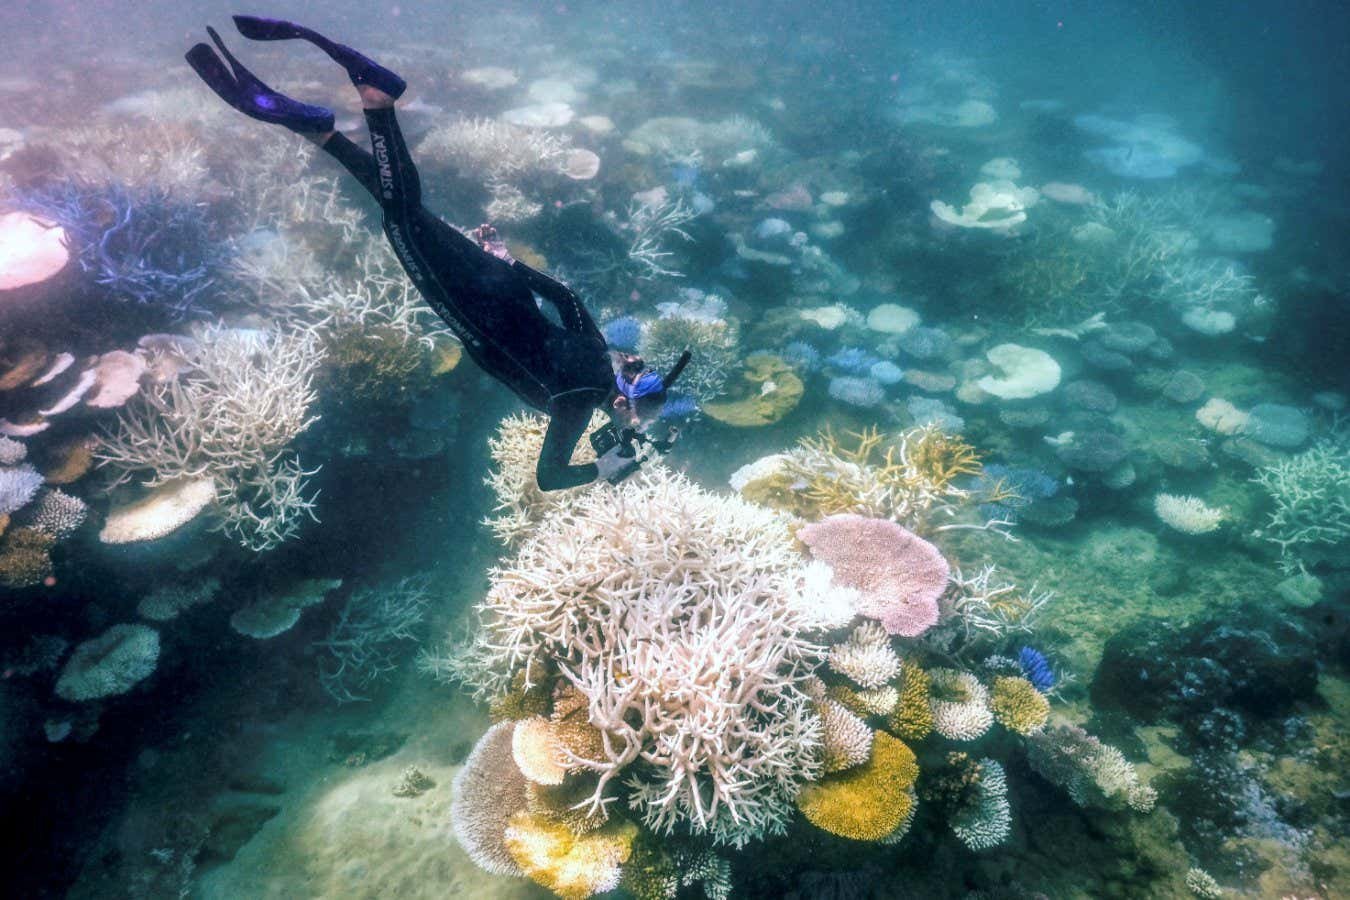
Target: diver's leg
[{"x": 354, "y": 158}]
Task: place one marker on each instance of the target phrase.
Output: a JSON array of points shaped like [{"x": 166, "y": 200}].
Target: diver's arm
[
  {"x": 571, "y": 310},
  {"x": 569, "y": 415}
]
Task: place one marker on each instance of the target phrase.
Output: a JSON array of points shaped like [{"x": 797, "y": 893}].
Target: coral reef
[
  {"x": 232, "y": 415},
  {"x": 637, "y": 642},
  {"x": 1310, "y": 495},
  {"x": 1094, "y": 774}
]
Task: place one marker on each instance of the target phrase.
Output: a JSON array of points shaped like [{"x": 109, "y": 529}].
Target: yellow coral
[
  {"x": 913, "y": 717},
  {"x": 567, "y": 804},
  {"x": 848, "y": 698},
  {"x": 572, "y": 866},
  {"x": 523, "y": 700},
  {"x": 768, "y": 390},
  {"x": 1018, "y": 706},
  {"x": 868, "y": 802},
  {"x": 936, "y": 459},
  {"x": 23, "y": 558}
]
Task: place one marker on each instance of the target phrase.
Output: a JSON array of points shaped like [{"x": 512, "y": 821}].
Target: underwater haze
[{"x": 994, "y": 543}]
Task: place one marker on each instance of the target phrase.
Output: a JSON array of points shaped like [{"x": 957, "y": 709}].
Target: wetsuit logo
[
  {"x": 401, "y": 249},
  {"x": 382, "y": 162}
]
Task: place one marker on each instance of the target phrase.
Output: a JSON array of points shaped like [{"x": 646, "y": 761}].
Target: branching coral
[
  {"x": 495, "y": 151},
  {"x": 231, "y": 417},
  {"x": 671, "y": 611},
  {"x": 713, "y": 344},
  {"x": 141, "y": 245},
  {"x": 515, "y": 450},
  {"x": 984, "y": 819},
  {"x": 866, "y": 657},
  {"x": 1189, "y": 515},
  {"x": 1311, "y": 497},
  {"x": 362, "y": 647},
  {"x": 911, "y": 478},
  {"x": 912, "y": 718},
  {"x": 846, "y": 739}
]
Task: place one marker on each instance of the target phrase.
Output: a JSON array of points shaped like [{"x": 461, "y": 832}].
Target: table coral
[{"x": 869, "y": 802}]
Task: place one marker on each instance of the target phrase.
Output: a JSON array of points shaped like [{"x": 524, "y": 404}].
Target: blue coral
[
  {"x": 143, "y": 246},
  {"x": 1036, "y": 668},
  {"x": 802, "y": 356},
  {"x": 1026, "y": 487},
  {"x": 678, "y": 407},
  {"x": 852, "y": 361},
  {"x": 623, "y": 333}
]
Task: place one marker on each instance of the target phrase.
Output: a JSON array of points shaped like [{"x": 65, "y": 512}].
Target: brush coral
[
  {"x": 868, "y": 802},
  {"x": 913, "y": 717},
  {"x": 1018, "y": 706}
]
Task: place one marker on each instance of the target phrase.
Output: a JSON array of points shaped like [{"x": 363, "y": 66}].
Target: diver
[{"x": 484, "y": 295}]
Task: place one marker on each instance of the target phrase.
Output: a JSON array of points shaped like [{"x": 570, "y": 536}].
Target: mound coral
[
  {"x": 488, "y": 791},
  {"x": 768, "y": 390},
  {"x": 1025, "y": 372},
  {"x": 162, "y": 511},
  {"x": 1017, "y": 705},
  {"x": 868, "y": 802},
  {"x": 899, "y": 575},
  {"x": 960, "y": 704},
  {"x": 572, "y": 866},
  {"x": 32, "y": 250},
  {"x": 674, "y": 613},
  {"x": 112, "y": 663}
]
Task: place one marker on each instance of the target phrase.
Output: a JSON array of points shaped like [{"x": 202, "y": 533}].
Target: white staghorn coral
[
  {"x": 960, "y": 704},
  {"x": 515, "y": 449},
  {"x": 492, "y": 150},
  {"x": 672, "y": 611},
  {"x": 231, "y": 417},
  {"x": 866, "y": 657}
]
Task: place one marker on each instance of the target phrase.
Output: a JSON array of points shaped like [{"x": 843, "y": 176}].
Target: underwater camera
[{"x": 606, "y": 439}]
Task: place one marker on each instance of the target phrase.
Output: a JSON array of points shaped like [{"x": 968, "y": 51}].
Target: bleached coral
[
  {"x": 1186, "y": 514},
  {"x": 487, "y": 792},
  {"x": 846, "y": 741},
  {"x": 515, "y": 449},
  {"x": 984, "y": 820},
  {"x": 1094, "y": 774},
  {"x": 1311, "y": 497},
  {"x": 55, "y": 514},
  {"x": 669, "y": 609},
  {"x": 112, "y": 663},
  {"x": 866, "y": 657},
  {"x": 493, "y": 150},
  {"x": 362, "y": 647},
  {"x": 171, "y": 600},
  {"x": 231, "y": 417},
  {"x": 713, "y": 344},
  {"x": 960, "y": 704}
]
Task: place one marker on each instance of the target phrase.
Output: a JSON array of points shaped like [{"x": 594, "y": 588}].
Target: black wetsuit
[{"x": 489, "y": 304}]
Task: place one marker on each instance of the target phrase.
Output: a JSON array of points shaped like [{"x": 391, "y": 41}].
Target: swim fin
[
  {"x": 241, "y": 89},
  {"x": 359, "y": 68}
]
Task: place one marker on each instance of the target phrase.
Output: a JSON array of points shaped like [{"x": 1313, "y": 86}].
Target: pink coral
[
  {"x": 898, "y": 574},
  {"x": 31, "y": 250}
]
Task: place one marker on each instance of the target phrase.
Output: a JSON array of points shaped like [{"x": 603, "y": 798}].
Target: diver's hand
[{"x": 615, "y": 468}]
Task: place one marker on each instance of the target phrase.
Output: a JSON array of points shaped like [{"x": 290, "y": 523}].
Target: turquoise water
[{"x": 1003, "y": 551}]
